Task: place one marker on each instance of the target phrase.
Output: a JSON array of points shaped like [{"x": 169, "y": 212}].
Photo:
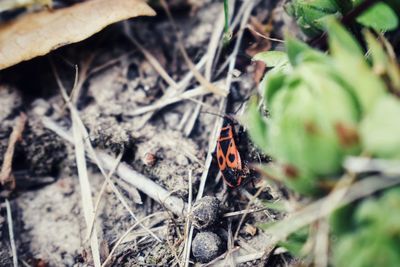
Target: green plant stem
[{"x": 226, "y": 12}]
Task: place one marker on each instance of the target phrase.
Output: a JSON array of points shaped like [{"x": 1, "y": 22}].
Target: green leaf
[
  {"x": 341, "y": 220},
  {"x": 375, "y": 239},
  {"x": 310, "y": 14},
  {"x": 299, "y": 52},
  {"x": 272, "y": 82},
  {"x": 379, "y": 17},
  {"x": 295, "y": 242},
  {"x": 294, "y": 247},
  {"x": 341, "y": 41},
  {"x": 272, "y": 58},
  {"x": 295, "y": 50},
  {"x": 378, "y": 54},
  {"x": 383, "y": 65},
  {"x": 257, "y": 127},
  {"x": 368, "y": 211},
  {"x": 380, "y": 130},
  {"x": 352, "y": 67}
]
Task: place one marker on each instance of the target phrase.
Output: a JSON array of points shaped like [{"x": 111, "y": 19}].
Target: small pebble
[
  {"x": 150, "y": 159},
  {"x": 206, "y": 246},
  {"x": 181, "y": 160},
  {"x": 206, "y": 212}
]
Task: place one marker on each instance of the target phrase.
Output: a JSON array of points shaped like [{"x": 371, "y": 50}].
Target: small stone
[
  {"x": 206, "y": 212},
  {"x": 250, "y": 229},
  {"x": 149, "y": 159},
  {"x": 206, "y": 246},
  {"x": 182, "y": 160}
]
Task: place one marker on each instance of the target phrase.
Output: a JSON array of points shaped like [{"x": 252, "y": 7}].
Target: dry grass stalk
[
  {"x": 11, "y": 233},
  {"x": 320, "y": 209},
  {"x": 188, "y": 241},
  {"x": 103, "y": 188},
  {"x": 150, "y": 58},
  {"x": 197, "y": 91},
  {"x": 252, "y": 200},
  {"x": 211, "y": 52},
  {"x": 321, "y": 249},
  {"x": 86, "y": 192},
  {"x": 171, "y": 92},
  {"x": 199, "y": 77},
  {"x": 121, "y": 239}
]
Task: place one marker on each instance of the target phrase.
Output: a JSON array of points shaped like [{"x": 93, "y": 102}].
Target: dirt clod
[
  {"x": 206, "y": 246},
  {"x": 37, "y": 143},
  {"x": 206, "y": 212}
]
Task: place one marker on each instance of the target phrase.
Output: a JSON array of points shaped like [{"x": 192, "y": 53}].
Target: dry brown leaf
[
  {"x": 36, "y": 34},
  {"x": 14, "y": 4}
]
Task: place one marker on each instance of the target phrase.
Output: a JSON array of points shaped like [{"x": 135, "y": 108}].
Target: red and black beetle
[{"x": 228, "y": 156}]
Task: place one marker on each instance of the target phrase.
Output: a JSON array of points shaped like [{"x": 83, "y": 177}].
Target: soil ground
[{"x": 164, "y": 145}]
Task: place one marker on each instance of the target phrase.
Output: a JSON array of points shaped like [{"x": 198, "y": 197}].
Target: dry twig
[
  {"x": 150, "y": 58},
  {"x": 188, "y": 241},
  {"x": 321, "y": 250},
  {"x": 11, "y": 234},
  {"x": 86, "y": 192},
  {"x": 6, "y": 177}
]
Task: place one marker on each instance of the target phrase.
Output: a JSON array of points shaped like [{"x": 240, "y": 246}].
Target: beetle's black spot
[
  {"x": 221, "y": 160},
  {"x": 231, "y": 157}
]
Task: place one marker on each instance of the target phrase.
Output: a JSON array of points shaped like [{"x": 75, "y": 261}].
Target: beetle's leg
[
  {"x": 214, "y": 156},
  {"x": 252, "y": 183}
]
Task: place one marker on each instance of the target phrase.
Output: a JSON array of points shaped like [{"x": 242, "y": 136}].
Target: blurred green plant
[
  {"x": 311, "y": 15},
  {"x": 227, "y": 32},
  {"x": 371, "y": 236},
  {"x": 324, "y": 107}
]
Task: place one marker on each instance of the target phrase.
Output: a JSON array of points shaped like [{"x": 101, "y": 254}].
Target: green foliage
[
  {"x": 325, "y": 107},
  {"x": 379, "y": 17},
  {"x": 383, "y": 64},
  {"x": 304, "y": 125},
  {"x": 298, "y": 52},
  {"x": 254, "y": 118},
  {"x": 311, "y": 15},
  {"x": 375, "y": 238},
  {"x": 380, "y": 131},
  {"x": 272, "y": 58},
  {"x": 322, "y": 108},
  {"x": 295, "y": 242},
  {"x": 227, "y": 32},
  {"x": 315, "y": 110},
  {"x": 350, "y": 63}
]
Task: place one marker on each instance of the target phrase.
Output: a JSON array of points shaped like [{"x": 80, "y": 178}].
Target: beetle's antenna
[
  {"x": 212, "y": 113},
  {"x": 226, "y": 116}
]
